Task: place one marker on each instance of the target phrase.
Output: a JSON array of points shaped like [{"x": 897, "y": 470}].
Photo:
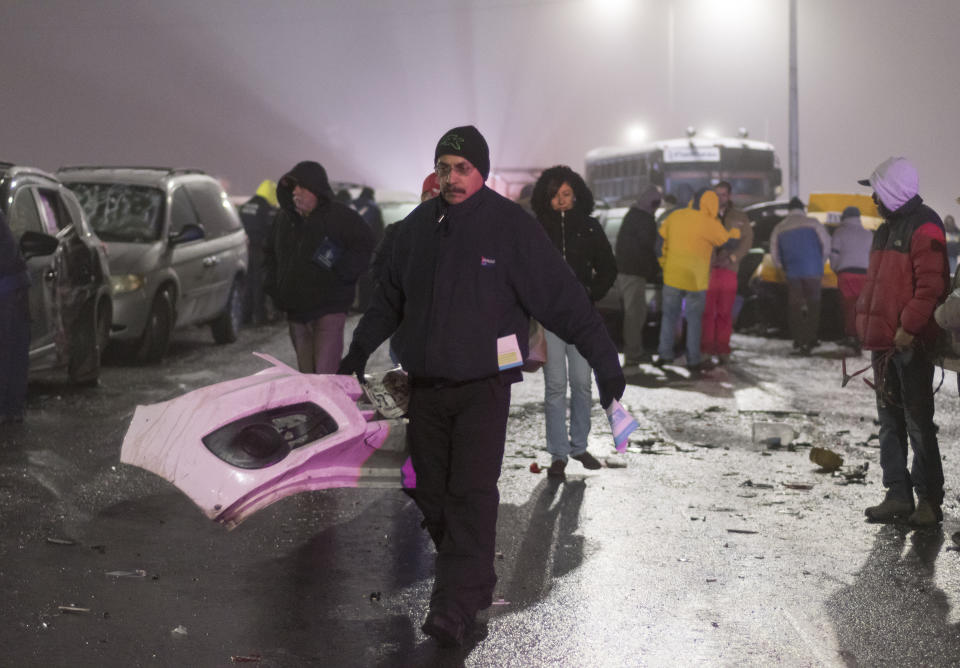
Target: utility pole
[{"x": 794, "y": 132}]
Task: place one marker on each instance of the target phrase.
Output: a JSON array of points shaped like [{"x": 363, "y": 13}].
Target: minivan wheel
[
  {"x": 227, "y": 325},
  {"x": 83, "y": 366},
  {"x": 156, "y": 334}
]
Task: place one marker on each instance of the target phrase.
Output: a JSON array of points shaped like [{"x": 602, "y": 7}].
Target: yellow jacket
[{"x": 689, "y": 237}]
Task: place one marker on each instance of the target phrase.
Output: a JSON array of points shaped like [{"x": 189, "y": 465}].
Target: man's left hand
[{"x": 902, "y": 339}]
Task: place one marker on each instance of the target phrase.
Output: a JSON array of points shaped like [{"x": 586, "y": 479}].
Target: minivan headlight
[{"x": 125, "y": 283}]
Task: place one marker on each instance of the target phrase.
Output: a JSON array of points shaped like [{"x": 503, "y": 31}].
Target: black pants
[
  {"x": 803, "y": 310},
  {"x": 456, "y": 435},
  {"x": 14, "y": 352},
  {"x": 905, "y": 409}
]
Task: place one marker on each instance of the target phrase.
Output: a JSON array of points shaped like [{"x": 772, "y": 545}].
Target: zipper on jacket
[{"x": 563, "y": 235}]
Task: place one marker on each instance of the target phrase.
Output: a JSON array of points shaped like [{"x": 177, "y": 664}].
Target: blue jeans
[
  {"x": 672, "y": 305},
  {"x": 563, "y": 359},
  {"x": 905, "y": 410}
]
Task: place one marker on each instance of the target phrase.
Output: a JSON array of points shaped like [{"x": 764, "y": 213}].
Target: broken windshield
[{"x": 122, "y": 212}]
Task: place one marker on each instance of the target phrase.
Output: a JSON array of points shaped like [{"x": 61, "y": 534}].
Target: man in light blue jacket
[{"x": 799, "y": 245}]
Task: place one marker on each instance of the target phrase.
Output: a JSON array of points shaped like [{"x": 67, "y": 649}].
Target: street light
[{"x": 636, "y": 134}]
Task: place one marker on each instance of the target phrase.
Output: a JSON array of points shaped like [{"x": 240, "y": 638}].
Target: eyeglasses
[{"x": 461, "y": 168}]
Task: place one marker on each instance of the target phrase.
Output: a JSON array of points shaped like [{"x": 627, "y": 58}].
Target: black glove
[
  {"x": 354, "y": 363},
  {"x": 610, "y": 389}
]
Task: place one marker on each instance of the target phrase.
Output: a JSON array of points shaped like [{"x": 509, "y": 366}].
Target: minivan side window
[
  {"x": 215, "y": 210},
  {"x": 24, "y": 215},
  {"x": 182, "y": 211}
]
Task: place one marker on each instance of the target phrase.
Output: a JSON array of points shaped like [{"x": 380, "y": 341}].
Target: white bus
[{"x": 681, "y": 167}]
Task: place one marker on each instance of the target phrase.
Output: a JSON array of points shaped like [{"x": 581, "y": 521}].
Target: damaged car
[{"x": 70, "y": 298}]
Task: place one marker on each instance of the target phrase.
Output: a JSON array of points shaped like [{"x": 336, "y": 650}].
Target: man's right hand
[{"x": 610, "y": 389}]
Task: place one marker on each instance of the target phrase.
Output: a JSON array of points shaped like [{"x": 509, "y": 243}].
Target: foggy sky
[{"x": 245, "y": 89}]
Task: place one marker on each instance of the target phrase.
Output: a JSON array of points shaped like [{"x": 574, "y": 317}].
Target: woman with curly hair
[{"x": 563, "y": 204}]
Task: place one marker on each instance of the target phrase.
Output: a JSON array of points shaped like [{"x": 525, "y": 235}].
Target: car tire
[
  {"x": 156, "y": 335},
  {"x": 227, "y": 325},
  {"x": 83, "y": 367}
]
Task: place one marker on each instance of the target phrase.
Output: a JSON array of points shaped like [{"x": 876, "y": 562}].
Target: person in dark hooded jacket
[
  {"x": 637, "y": 265},
  {"x": 14, "y": 327},
  {"x": 316, "y": 250},
  {"x": 563, "y": 204}
]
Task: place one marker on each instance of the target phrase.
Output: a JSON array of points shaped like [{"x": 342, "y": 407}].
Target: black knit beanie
[{"x": 467, "y": 142}]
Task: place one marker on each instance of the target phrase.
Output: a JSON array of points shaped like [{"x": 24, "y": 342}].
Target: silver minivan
[{"x": 177, "y": 249}]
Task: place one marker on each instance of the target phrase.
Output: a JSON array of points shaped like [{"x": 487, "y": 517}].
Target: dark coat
[
  {"x": 458, "y": 277},
  {"x": 584, "y": 246},
  {"x": 13, "y": 268},
  {"x": 312, "y": 264},
  {"x": 257, "y": 214}
]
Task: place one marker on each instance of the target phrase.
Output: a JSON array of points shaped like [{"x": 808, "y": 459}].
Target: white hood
[{"x": 895, "y": 181}]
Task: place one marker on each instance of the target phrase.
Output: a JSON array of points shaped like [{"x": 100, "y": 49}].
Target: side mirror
[
  {"x": 33, "y": 244},
  {"x": 189, "y": 232}
]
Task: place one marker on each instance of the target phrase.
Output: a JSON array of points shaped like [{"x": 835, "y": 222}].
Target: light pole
[{"x": 794, "y": 133}]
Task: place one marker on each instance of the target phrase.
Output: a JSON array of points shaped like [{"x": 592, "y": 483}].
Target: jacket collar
[{"x": 908, "y": 207}]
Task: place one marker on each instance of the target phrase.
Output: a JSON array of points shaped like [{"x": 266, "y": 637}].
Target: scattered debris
[
  {"x": 500, "y": 601},
  {"x": 714, "y": 409},
  {"x": 249, "y": 658},
  {"x": 763, "y": 432},
  {"x": 73, "y": 609},
  {"x": 499, "y": 555},
  {"x": 178, "y": 631},
  {"x": 535, "y": 468},
  {"x": 374, "y": 596},
  {"x": 102, "y": 549},
  {"x": 755, "y": 485},
  {"x": 711, "y": 579},
  {"x": 138, "y": 573},
  {"x": 615, "y": 463},
  {"x": 708, "y": 446},
  {"x": 798, "y": 485},
  {"x": 715, "y": 625},
  {"x": 748, "y": 531},
  {"x": 827, "y": 460},
  {"x": 60, "y": 541},
  {"x": 853, "y": 474}
]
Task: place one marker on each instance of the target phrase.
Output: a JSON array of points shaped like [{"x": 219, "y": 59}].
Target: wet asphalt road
[{"x": 696, "y": 547}]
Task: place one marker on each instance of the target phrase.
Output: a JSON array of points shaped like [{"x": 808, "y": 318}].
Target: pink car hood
[{"x": 167, "y": 439}]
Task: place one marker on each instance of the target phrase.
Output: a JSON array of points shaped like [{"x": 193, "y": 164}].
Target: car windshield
[{"x": 122, "y": 212}]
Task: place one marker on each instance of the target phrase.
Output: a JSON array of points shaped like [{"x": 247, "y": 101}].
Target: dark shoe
[
  {"x": 662, "y": 362},
  {"x": 802, "y": 351},
  {"x": 703, "y": 365},
  {"x": 926, "y": 514},
  {"x": 445, "y": 629},
  {"x": 723, "y": 359},
  {"x": 588, "y": 461},
  {"x": 556, "y": 469},
  {"x": 892, "y": 507}
]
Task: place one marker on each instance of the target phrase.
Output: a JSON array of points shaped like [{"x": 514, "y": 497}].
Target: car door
[
  {"x": 25, "y": 214},
  {"x": 187, "y": 258},
  {"x": 220, "y": 245}
]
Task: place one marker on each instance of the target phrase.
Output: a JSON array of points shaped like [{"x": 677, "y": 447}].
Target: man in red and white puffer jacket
[{"x": 907, "y": 278}]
